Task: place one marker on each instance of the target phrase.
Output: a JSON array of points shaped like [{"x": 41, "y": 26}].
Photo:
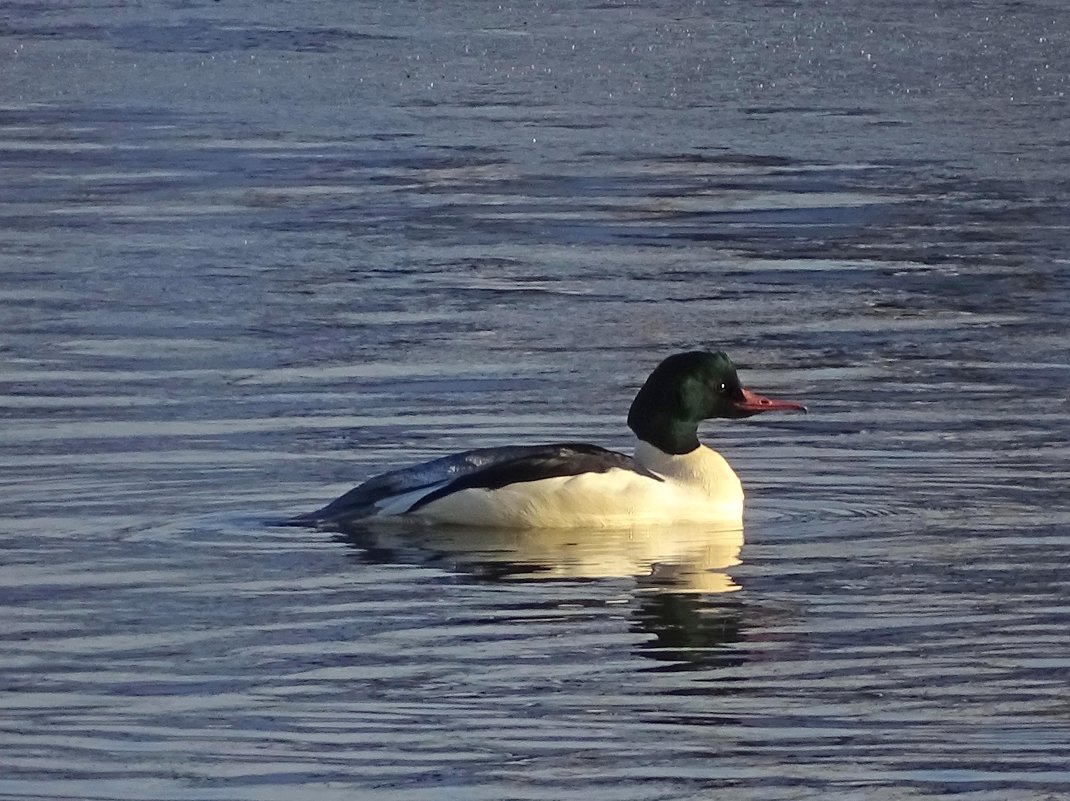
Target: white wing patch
[{"x": 399, "y": 504}]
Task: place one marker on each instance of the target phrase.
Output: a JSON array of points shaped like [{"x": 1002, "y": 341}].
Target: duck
[{"x": 671, "y": 478}]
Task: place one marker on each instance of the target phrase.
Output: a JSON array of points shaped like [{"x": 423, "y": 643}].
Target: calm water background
[{"x": 251, "y": 253}]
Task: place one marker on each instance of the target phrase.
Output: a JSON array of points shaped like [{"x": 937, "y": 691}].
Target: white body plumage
[{"x": 696, "y": 487}]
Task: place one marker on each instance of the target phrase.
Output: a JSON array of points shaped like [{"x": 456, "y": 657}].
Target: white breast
[{"x": 704, "y": 469}]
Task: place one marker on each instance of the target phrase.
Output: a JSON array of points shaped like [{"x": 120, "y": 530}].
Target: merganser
[{"x": 671, "y": 478}]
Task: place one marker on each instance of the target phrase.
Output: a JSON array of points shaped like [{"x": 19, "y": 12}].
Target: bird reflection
[
  {"x": 680, "y": 559},
  {"x": 684, "y": 596},
  {"x": 690, "y": 631}
]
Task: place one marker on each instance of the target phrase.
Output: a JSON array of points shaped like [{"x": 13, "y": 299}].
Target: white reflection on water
[{"x": 681, "y": 558}]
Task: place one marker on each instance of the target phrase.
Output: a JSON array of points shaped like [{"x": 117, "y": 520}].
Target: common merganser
[{"x": 671, "y": 478}]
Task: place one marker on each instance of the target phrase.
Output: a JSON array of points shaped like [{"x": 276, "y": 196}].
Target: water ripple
[{"x": 217, "y": 316}]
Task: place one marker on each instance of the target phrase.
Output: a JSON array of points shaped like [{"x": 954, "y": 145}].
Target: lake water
[{"x": 252, "y": 253}]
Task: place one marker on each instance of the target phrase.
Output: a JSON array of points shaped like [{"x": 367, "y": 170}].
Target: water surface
[{"x": 251, "y": 254}]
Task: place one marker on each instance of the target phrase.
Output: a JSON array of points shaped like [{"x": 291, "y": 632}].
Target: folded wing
[{"x": 409, "y": 488}]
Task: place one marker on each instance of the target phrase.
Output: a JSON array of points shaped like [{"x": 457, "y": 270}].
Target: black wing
[
  {"x": 487, "y": 468},
  {"x": 537, "y": 462}
]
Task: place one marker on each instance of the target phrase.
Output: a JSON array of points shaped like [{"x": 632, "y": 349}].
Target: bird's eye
[{"x": 724, "y": 388}]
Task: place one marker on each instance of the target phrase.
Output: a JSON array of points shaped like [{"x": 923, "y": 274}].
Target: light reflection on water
[
  {"x": 686, "y": 559},
  {"x": 216, "y": 315}
]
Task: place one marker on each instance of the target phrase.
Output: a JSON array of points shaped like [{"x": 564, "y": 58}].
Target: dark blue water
[{"x": 252, "y": 253}]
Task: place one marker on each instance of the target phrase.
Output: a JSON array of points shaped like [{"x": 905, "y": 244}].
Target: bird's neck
[{"x": 670, "y": 435}]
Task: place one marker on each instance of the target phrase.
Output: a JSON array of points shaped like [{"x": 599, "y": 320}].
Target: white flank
[{"x": 698, "y": 487}]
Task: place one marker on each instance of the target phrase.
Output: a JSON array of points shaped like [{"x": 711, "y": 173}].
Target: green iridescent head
[{"x": 686, "y": 389}]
